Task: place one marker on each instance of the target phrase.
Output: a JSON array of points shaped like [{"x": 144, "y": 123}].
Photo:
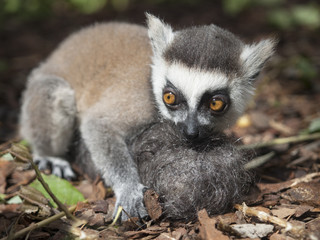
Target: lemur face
[{"x": 203, "y": 77}]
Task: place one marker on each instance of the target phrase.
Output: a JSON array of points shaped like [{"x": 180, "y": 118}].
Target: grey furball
[{"x": 189, "y": 177}]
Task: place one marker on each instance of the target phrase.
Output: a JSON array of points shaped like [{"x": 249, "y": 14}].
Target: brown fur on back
[{"x": 108, "y": 66}]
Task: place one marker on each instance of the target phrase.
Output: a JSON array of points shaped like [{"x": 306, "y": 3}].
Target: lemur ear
[
  {"x": 253, "y": 57},
  {"x": 160, "y": 34}
]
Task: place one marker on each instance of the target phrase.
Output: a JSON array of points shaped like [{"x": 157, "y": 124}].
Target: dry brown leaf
[
  {"x": 308, "y": 193},
  {"x": 208, "y": 227},
  {"x": 228, "y": 218},
  {"x": 313, "y": 227},
  {"x": 270, "y": 200},
  {"x": 277, "y": 236},
  {"x": 81, "y": 207},
  {"x": 302, "y": 209},
  {"x": 86, "y": 188},
  {"x": 100, "y": 206},
  {"x": 266, "y": 188},
  {"x": 9, "y": 208},
  {"x": 152, "y": 204},
  {"x": 179, "y": 233},
  {"x": 134, "y": 234},
  {"x": 6, "y": 168},
  {"x": 111, "y": 233},
  {"x": 283, "y": 212},
  {"x": 19, "y": 178},
  {"x": 21, "y": 152},
  {"x": 168, "y": 236},
  {"x": 99, "y": 191}
]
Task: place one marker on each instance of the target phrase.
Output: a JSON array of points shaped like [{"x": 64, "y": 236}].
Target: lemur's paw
[
  {"x": 131, "y": 199},
  {"x": 59, "y": 167}
]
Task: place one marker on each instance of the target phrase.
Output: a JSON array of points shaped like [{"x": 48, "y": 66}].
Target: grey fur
[
  {"x": 207, "y": 48},
  {"x": 83, "y": 86},
  {"x": 49, "y": 129},
  {"x": 200, "y": 59},
  {"x": 190, "y": 177},
  {"x": 98, "y": 81}
]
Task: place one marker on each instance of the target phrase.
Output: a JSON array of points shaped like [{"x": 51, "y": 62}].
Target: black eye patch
[
  {"x": 180, "y": 99},
  {"x": 209, "y": 95}
]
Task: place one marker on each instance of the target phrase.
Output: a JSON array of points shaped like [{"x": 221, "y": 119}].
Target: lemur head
[{"x": 203, "y": 77}]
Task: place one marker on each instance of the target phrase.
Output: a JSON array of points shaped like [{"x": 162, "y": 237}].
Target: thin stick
[
  {"x": 258, "y": 161},
  {"x": 39, "y": 224},
  {"x": 120, "y": 208},
  {"x": 294, "y": 229},
  {"x": 47, "y": 188},
  {"x": 61, "y": 206},
  {"x": 279, "y": 141}
]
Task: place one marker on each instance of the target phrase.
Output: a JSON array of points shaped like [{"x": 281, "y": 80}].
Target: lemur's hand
[
  {"x": 131, "y": 199},
  {"x": 59, "y": 166}
]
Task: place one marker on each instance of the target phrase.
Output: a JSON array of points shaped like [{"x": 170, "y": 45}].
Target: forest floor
[{"x": 285, "y": 201}]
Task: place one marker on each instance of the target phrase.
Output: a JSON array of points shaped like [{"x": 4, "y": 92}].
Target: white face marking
[{"x": 193, "y": 83}]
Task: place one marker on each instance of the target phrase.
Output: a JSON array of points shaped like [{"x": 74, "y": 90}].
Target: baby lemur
[{"x": 110, "y": 80}]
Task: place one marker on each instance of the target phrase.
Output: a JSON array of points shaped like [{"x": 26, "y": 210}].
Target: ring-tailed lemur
[{"x": 110, "y": 79}]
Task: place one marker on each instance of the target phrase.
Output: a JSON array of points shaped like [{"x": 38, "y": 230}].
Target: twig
[
  {"x": 39, "y": 224},
  {"x": 258, "y": 161},
  {"x": 130, "y": 218},
  {"x": 32, "y": 201},
  {"x": 120, "y": 208},
  {"x": 47, "y": 188},
  {"x": 305, "y": 179},
  {"x": 294, "y": 229},
  {"x": 279, "y": 141}
]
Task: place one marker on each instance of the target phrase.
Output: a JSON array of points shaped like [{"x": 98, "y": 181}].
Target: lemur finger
[
  {"x": 68, "y": 173},
  {"x": 56, "y": 170},
  {"x": 43, "y": 164}
]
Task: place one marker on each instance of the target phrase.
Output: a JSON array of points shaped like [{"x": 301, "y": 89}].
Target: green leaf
[
  {"x": 270, "y": 3},
  {"x": 280, "y": 18},
  {"x": 234, "y": 7},
  {"x": 2, "y": 196},
  {"x": 14, "y": 200},
  {"x": 308, "y": 15},
  {"x": 306, "y": 68},
  {"x": 24, "y": 143},
  {"x": 88, "y": 6},
  {"x": 61, "y": 188},
  {"x": 120, "y": 5},
  {"x": 7, "y": 157},
  {"x": 314, "y": 126},
  {"x": 12, "y": 6}
]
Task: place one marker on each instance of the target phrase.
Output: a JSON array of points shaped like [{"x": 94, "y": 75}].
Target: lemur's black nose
[{"x": 191, "y": 134}]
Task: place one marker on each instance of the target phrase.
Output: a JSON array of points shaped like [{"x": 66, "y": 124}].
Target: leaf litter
[{"x": 275, "y": 210}]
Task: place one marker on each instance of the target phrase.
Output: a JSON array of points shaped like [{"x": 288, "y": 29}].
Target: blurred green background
[
  {"x": 31, "y": 29},
  {"x": 282, "y": 14}
]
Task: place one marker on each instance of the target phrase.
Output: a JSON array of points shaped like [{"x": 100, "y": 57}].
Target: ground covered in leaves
[{"x": 283, "y": 204}]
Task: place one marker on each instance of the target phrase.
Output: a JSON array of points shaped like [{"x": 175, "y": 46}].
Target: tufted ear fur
[
  {"x": 160, "y": 34},
  {"x": 253, "y": 57}
]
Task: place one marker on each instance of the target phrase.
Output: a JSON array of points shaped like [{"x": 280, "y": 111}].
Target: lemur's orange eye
[
  {"x": 217, "y": 105},
  {"x": 169, "y": 98}
]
